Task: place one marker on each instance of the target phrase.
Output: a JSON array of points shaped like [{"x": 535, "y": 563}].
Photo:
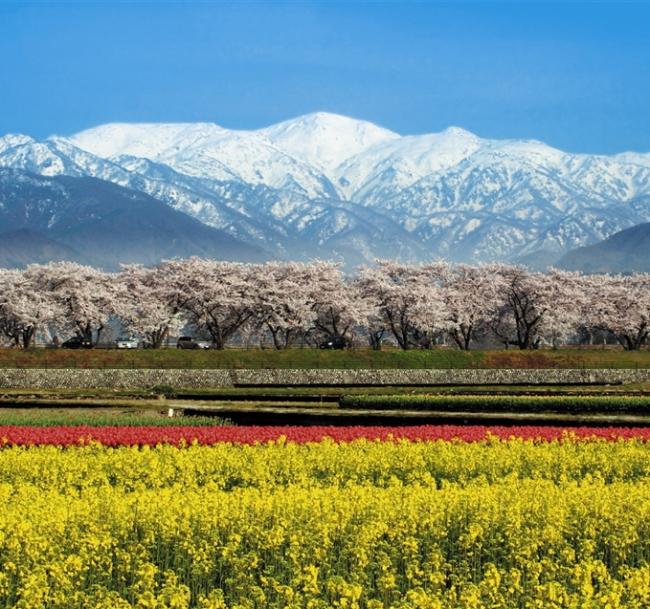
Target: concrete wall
[{"x": 30, "y": 378}]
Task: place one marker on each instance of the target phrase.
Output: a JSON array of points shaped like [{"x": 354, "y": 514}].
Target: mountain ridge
[
  {"x": 21, "y": 247},
  {"x": 449, "y": 194}
]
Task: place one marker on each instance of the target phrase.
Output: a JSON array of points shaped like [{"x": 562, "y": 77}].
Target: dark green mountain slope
[
  {"x": 105, "y": 224},
  {"x": 627, "y": 251}
]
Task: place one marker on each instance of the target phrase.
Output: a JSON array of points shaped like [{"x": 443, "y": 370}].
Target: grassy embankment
[{"x": 315, "y": 358}]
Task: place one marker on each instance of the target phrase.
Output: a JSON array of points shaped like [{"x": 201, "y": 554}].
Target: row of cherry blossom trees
[{"x": 284, "y": 303}]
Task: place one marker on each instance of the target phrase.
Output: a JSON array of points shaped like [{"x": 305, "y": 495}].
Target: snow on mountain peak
[
  {"x": 14, "y": 139},
  {"x": 457, "y": 132},
  {"x": 634, "y": 158},
  {"x": 325, "y": 139},
  {"x": 321, "y": 138},
  {"x": 300, "y": 153},
  {"x": 148, "y": 140}
]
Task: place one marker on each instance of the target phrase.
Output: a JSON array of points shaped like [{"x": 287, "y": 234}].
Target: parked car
[
  {"x": 188, "y": 342},
  {"x": 126, "y": 342},
  {"x": 77, "y": 342},
  {"x": 334, "y": 342}
]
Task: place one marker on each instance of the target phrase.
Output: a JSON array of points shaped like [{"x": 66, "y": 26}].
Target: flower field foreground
[
  {"x": 360, "y": 524},
  {"x": 140, "y": 435}
]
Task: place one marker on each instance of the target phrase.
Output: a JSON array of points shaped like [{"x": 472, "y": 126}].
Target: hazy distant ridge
[{"x": 624, "y": 252}]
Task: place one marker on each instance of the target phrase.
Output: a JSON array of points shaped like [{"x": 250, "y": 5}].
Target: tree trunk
[
  {"x": 634, "y": 342},
  {"x": 28, "y": 336},
  {"x": 277, "y": 344},
  {"x": 218, "y": 340},
  {"x": 375, "y": 338},
  {"x": 399, "y": 331},
  {"x": 462, "y": 337},
  {"x": 157, "y": 337},
  {"x": 289, "y": 337},
  {"x": 85, "y": 331}
]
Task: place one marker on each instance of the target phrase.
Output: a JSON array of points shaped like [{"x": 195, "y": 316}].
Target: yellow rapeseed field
[{"x": 429, "y": 525}]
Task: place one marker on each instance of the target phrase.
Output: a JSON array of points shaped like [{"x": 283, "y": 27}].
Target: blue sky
[{"x": 573, "y": 74}]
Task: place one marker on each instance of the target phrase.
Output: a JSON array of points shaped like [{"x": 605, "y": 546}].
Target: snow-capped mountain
[
  {"x": 323, "y": 140},
  {"x": 327, "y": 185},
  {"x": 292, "y": 155}
]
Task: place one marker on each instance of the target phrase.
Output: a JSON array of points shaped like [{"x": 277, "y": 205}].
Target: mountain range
[{"x": 320, "y": 185}]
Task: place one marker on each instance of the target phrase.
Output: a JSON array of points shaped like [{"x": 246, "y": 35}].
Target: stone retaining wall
[{"x": 31, "y": 378}]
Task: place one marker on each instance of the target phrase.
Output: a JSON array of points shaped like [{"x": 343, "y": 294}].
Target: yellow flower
[{"x": 364, "y": 525}]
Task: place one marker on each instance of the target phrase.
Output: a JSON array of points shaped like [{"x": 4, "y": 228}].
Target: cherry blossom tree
[
  {"x": 567, "y": 305},
  {"x": 621, "y": 305},
  {"x": 405, "y": 299},
  {"x": 470, "y": 297},
  {"x": 524, "y": 302},
  {"x": 145, "y": 305},
  {"x": 218, "y": 298},
  {"x": 413, "y": 304},
  {"x": 9, "y": 327},
  {"x": 24, "y": 309},
  {"x": 84, "y": 295},
  {"x": 285, "y": 301},
  {"x": 336, "y": 304}
]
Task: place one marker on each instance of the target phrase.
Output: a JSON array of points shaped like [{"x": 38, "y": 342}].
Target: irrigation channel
[{"x": 265, "y": 408}]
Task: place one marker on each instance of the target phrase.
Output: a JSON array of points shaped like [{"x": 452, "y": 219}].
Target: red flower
[{"x": 181, "y": 435}]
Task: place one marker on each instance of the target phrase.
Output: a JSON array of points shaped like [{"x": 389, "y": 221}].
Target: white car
[{"x": 127, "y": 343}]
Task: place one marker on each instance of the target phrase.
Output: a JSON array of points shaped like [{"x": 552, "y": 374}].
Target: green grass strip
[
  {"x": 33, "y": 419},
  {"x": 502, "y": 403}
]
